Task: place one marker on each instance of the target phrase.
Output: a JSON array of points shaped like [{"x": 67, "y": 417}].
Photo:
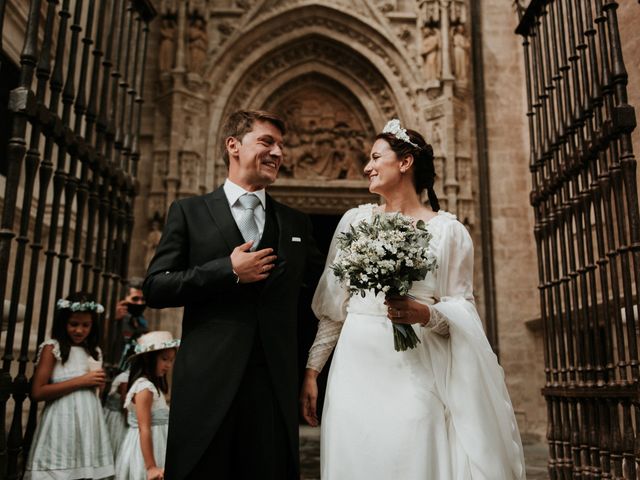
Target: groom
[{"x": 235, "y": 260}]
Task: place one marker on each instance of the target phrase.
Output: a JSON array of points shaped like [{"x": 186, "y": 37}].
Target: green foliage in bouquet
[{"x": 386, "y": 254}]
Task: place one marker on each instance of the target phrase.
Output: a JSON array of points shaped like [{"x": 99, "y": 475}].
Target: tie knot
[{"x": 249, "y": 201}]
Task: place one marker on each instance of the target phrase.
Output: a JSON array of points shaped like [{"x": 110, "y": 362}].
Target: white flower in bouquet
[{"x": 385, "y": 255}]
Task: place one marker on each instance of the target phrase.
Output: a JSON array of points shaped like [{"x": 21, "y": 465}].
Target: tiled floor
[{"x": 535, "y": 456}]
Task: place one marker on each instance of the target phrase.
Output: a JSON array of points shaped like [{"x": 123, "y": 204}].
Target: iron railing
[
  {"x": 587, "y": 231},
  {"x": 72, "y": 163}
]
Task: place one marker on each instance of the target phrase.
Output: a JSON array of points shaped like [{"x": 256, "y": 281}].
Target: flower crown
[
  {"x": 79, "y": 306},
  {"x": 394, "y": 128}
]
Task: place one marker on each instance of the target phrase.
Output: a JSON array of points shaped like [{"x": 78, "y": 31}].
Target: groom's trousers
[{"x": 251, "y": 442}]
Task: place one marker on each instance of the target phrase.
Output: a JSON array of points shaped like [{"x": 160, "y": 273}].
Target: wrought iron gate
[
  {"x": 71, "y": 181},
  {"x": 587, "y": 232}
]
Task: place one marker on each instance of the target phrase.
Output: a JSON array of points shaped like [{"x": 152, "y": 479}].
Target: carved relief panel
[{"x": 327, "y": 130}]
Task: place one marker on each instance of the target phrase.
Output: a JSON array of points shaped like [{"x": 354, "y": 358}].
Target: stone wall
[
  {"x": 512, "y": 217},
  {"x": 629, "y": 17}
]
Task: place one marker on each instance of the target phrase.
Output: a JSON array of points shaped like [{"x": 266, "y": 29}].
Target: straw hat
[{"x": 152, "y": 341}]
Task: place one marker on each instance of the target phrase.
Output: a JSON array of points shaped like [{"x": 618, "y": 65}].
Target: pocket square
[{"x": 296, "y": 239}]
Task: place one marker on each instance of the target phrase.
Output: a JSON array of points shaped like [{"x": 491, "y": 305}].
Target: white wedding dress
[{"x": 440, "y": 411}]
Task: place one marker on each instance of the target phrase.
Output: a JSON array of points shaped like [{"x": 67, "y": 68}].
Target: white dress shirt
[{"x": 233, "y": 192}]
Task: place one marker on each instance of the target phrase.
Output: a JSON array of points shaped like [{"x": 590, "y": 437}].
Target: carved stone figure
[
  {"x": 197, "y": 46},
  {"x": 458, "y": 11},
  {"x": 153, "y": 239},
  {"x": 166, "y": 51},
  {"x": 431, "y": 11},
  {"x": 168, "y": 7},
  {"x": 461, "y": 46},
  {"x": 188, "y": 172},
  {"x": 191, "y": 133},
  {"x": 436, "y": 138},
  {"x": 198, "y": 7},
  {"x": 431, "y": 64}
]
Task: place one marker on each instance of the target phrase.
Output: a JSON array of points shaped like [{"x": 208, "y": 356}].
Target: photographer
[{"x": 132, "y": 323}]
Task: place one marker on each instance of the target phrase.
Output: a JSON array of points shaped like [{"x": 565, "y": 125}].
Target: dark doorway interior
[{"x": 323, "y": 228}]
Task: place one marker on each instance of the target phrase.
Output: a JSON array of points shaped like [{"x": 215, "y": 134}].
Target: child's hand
[
  {"x": 95, "y": 378},
  {"x": 155, "y": 473}
]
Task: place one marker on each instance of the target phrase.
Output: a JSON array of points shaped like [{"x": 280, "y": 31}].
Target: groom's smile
[{"x": 256, "y": 159}]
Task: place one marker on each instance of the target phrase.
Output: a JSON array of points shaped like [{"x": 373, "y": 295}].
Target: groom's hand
[{"x": 252, "y": 266}]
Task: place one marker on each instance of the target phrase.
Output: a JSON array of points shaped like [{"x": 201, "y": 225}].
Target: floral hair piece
[
  {"x": 79, "y": 306},
  {"x": 394, "y": 128}
]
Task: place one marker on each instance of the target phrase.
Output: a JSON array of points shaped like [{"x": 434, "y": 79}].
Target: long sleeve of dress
[
  {"x": 329, "y": 303},
  {"x": 455, "y": 276}
]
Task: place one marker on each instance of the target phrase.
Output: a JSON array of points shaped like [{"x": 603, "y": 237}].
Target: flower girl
[
  {"x": 142, "y": 452},
  {"x": 114, "y": 413},
  {"x": 71, "y": 440}
]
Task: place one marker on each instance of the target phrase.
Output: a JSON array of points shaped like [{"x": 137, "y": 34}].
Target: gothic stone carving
[
  {"x": 317, "y": 50},
  {"x": 356, "y": 36},
  {"x": 431, "y": 61},
  {"x": 461, "y": 46},
  {"x": 314, "y": 152},
  {"x": 197, "y": 46},
  {"x": 167, "y": 49}
]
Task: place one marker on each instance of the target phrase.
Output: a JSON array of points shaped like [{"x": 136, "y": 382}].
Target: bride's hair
[{"x": 424, "y": 172}]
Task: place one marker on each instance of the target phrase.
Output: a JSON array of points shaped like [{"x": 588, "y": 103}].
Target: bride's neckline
[{"x": 378, "y": 209}]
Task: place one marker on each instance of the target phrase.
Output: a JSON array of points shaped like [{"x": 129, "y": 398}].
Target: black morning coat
[{"x": 192, "y": 269}]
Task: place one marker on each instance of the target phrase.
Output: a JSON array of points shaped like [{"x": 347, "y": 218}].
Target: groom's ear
[{"x": 233, "y": 146}]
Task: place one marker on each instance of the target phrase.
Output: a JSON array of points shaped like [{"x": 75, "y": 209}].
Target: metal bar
[
  {"x": 3, "y": 5},
  {"x": 15, "y": 155},
  {"x": 70, "y": 180},
  {"x": 80, "y": 111}
]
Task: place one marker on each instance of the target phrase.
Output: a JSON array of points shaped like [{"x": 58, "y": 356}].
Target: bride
[{"x": 439, "y": 411}]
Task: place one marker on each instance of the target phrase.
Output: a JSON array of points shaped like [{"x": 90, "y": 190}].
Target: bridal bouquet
[{"x": 385, "y": 255}]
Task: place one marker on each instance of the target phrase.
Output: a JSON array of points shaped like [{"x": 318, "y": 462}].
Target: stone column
[
  {"x": 446, "y": 48},
  {"x": 180, "y": 50}
]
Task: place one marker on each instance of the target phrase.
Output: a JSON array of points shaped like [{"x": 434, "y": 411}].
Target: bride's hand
[
  {"x": 309, "y": 397},
  {"x": 407, "y": 310}
]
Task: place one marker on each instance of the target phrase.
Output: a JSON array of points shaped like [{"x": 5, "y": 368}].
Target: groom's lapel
[
  {"x": 284, "y": 230},
  {"x": 221, "y": 212}
]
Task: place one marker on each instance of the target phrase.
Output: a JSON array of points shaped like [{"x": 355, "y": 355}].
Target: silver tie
[{"x": 247, "y": 221}]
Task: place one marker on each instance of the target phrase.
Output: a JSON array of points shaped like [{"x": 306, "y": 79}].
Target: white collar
[{"x": 234, "y": 191}]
